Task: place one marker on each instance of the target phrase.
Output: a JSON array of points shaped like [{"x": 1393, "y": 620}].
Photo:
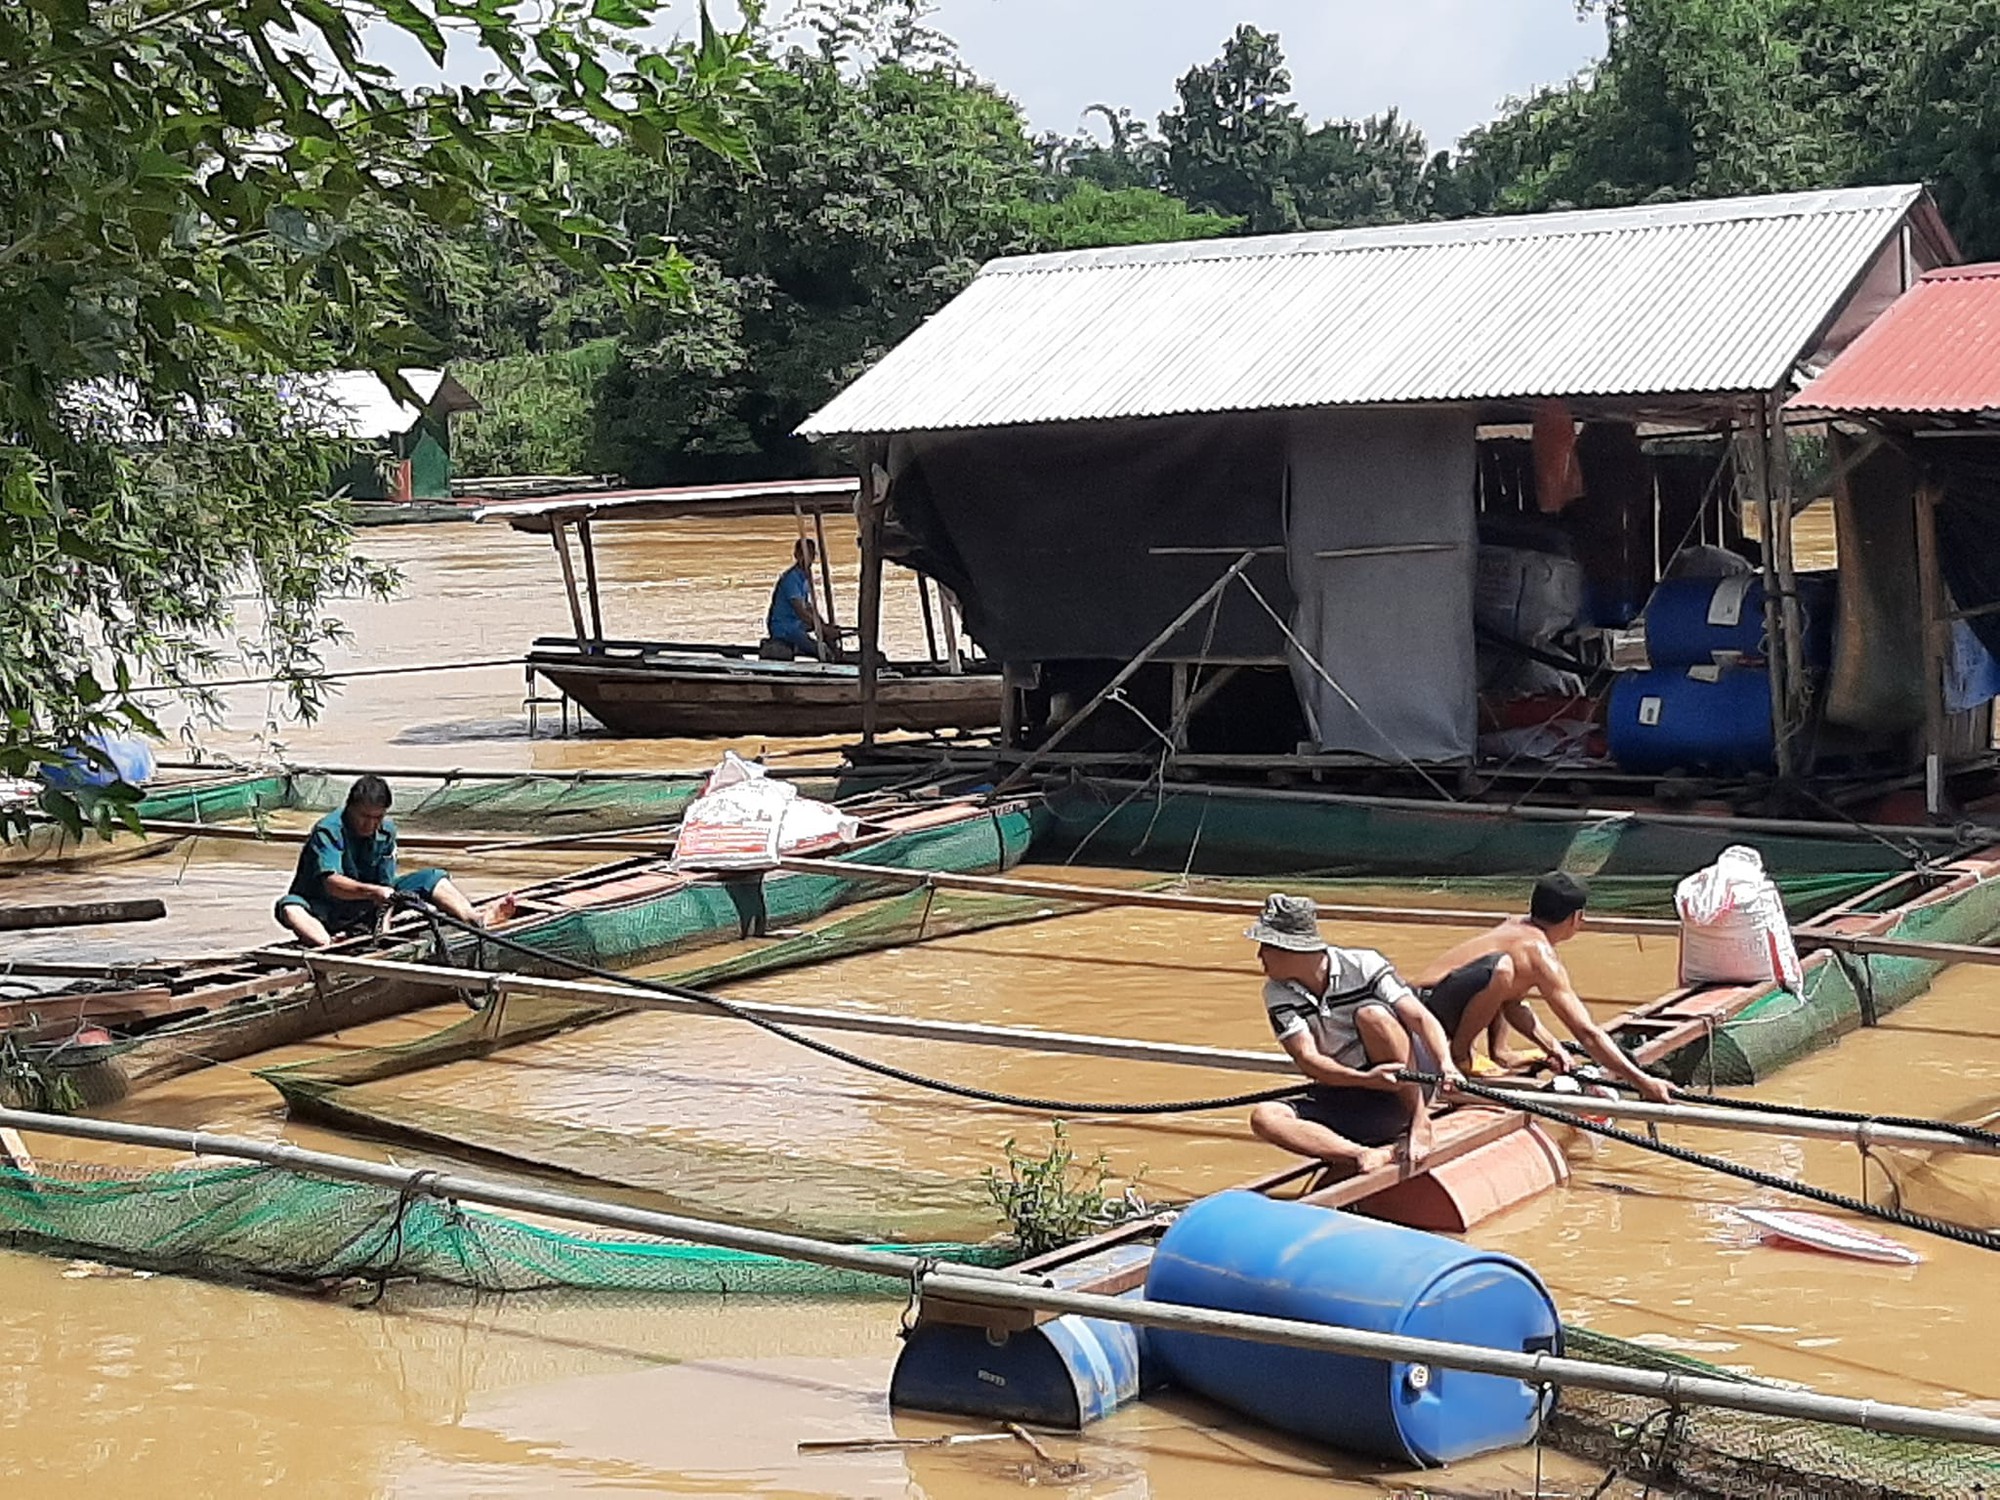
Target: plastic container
[
  {"x": 1691, "y": 719},
  {"x": 1690, "y": 620},
  {"x": 131, "y": 762},
  {"x": 1242, "y": 1252}
]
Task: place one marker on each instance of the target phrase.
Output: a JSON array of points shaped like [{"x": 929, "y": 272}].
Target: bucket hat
[{"x": 1289, "y": 922}]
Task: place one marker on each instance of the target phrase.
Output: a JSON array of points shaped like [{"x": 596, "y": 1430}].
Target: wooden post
[
  {"x": 1759, "y": 472},
  {"x": 947, "y": 609},
  {"x": 832, "y": 615},
  {"x": 1177, "y": 717},
  {"x": 1937, "y": 636},
  {"x": 590, "y": 583},
  {"x": 1791, "y": 618},
  {"x": 869, "y": 504},
  {"x": 930, "y": 629},
  {"x": 561, "y": 540}
]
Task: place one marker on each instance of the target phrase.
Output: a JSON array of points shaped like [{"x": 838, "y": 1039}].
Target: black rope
[
  {"x": 1508, "y": 1098},
  {"x": 1513, "y": 1099},
  {"x": 869, "y": 1064}
]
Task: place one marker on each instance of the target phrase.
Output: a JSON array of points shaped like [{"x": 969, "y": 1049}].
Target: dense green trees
[
  {"x": 656, "y": 262},
  {"x": 197, "y": 196}
]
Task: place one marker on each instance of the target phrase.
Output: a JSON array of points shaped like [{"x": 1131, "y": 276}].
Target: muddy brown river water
[{"x": 115, "y": 1385}]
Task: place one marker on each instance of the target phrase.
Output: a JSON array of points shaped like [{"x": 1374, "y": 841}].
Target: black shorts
[
  {"x": 1367, "y": 1117},
  {"x": 1448, "y": 998}
]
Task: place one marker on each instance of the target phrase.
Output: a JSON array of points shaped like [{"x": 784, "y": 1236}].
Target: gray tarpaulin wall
[
  {"x": 1389, "y": 614},
  {"x": 1049, "y": 534}
]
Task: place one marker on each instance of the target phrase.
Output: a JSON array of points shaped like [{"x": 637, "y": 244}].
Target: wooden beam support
[
  {"x": 560, "y": 538},
  {"x": 869, "y": 508},
  {"x": 590, "y": 583},
  {"x": 80, "y": 914},
  {"x": 1937, "y": 641},
  {"x": 826, "y": 576}
]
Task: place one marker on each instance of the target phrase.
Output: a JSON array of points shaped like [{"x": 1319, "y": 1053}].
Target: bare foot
[{"x": 500, "y": 911}]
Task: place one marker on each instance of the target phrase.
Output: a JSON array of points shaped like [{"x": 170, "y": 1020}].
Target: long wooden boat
[
  {"x": 150, "y": 1023},
  {"x": 671, "y": 690},
  {"x": 692, "y": 692}
]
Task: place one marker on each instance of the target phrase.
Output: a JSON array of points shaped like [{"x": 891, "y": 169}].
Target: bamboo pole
[
  {"x": 1233, "y": 906},
  {"x": 1125, "y": 1049},
  {"x": 1131, "y": 668},
  {"x": 1531, "y": 1369}
]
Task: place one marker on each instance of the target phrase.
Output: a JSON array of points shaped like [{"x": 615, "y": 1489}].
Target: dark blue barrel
[
  {"x": 1243, "y": 1252},
  {"x": 1666, "y": 719},
  {"x": 1065, "y": 1373},
  {"x": 1688, "y": 620}
]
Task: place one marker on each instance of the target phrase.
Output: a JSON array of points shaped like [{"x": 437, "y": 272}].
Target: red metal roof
[{"x": 1936, "y": 350}]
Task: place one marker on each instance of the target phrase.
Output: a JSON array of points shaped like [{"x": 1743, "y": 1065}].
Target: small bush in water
[{"x": 1057, "y": 1197}]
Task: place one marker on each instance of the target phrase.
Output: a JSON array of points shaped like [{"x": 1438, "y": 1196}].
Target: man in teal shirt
[{"x": 347, "y": 872}]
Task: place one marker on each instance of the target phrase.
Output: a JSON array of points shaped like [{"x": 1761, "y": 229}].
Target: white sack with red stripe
[
  {"x": 743, "y": 820},
  {"x": 1733, "y": 927}
]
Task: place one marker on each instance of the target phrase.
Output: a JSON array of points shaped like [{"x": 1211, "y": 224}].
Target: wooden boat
[
  {"x": 691, "y": 692},
  {"x": 670, "y": 690},
  {"x": 167, "y": 1019}
]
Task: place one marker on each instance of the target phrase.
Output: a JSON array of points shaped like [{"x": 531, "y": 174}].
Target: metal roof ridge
[{"x": 1487, "y": 229}]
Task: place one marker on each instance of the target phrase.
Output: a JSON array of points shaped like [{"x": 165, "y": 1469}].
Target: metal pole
[
  {"x": 429, "y": 1183},
  {"x": 1530, "y": 1369},
  {"x": 1129, "y": 1049}
]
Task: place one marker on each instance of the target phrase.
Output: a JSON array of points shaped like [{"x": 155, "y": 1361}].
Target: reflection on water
[{"x": 164, "y": 1387}]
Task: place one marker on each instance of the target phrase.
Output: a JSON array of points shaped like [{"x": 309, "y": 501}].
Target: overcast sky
[{"x": 1447, "y": 64}]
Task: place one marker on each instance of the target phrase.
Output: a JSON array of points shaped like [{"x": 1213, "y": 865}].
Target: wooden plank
[
  {"x": 80, "y": 914},
  {"x": 561, "y": 539}
]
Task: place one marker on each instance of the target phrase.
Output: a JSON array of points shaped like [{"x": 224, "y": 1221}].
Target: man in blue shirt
[
  {"x": 347, "y": 872},
  {"x": 794, "y": 617}
]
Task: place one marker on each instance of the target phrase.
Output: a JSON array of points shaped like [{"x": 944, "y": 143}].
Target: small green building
[{"x": 402, "y": 452}]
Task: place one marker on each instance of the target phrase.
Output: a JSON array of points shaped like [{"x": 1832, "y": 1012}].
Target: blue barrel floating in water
[
  {"x": 1688, "y": 620},
  {"x": 1243, "y": 1252},
  {"x": 1065, "y": 1373},
  {"x": 131, "y": 762},
  {"x": 1666, "y": 719}
]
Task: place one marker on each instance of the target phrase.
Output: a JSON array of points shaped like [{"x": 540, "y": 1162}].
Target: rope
[
  {"x": 1977, "y": 1238},
  {"x": 868, "y": 1064}
]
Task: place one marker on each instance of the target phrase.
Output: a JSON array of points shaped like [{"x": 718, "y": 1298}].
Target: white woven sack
[{"x": 1733, "y": 926}]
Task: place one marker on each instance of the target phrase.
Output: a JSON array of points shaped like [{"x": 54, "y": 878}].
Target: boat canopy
[{"x": 774, "y": 497}]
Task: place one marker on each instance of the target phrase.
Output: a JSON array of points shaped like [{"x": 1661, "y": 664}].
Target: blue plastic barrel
[
  {"x": 131, "y": 762},
  {"x": 1689, "y": 620},
  {"x": 1666, "y": 720},
  {"x": 1243, "y": 1252},
  {"x": 1068, "y": 1372}
]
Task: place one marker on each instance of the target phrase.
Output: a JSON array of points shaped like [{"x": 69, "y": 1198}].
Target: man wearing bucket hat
[{"x": 1352, "y": 1027}]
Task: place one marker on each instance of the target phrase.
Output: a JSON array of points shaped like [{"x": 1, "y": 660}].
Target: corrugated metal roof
[
  {"x": 1937, "y": 350},
  {"x": 775, "y": 497},
  {"x": 1721, "y": 296}
]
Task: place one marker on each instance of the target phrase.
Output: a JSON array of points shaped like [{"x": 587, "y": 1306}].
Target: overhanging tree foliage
[{"x": 194, "y": 199}]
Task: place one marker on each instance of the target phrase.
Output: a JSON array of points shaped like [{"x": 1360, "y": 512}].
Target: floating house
[
  {"x": 1451, "y": 504},
  {"x": 1916, "y": 444}
]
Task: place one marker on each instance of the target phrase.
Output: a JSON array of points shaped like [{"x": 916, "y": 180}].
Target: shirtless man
[
  {"x": 1482, "y": 986},
  {"x": 1352, "y": 1027}
]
